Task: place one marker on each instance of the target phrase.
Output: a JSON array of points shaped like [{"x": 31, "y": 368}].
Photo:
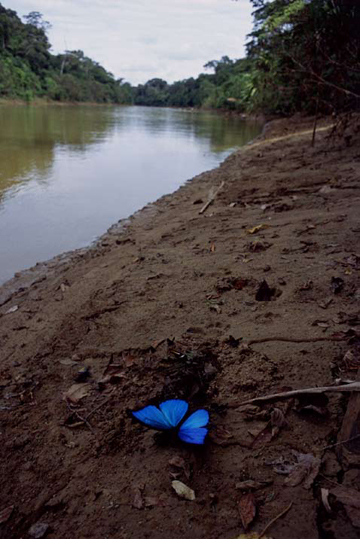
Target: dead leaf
[
  {"x": 325, "y": 303},
  {"x": 68, "y": 362},
  {"x": 183, "y": 491},
  {"x": 351, "y": 359},
  {"x": 179, "y": 462},
  {"x": 277, "y": 421},
  {"x": 256, "y": 228},
  {"x": 264, "y": 293},
  {"x": 350, "y": 498},
  {"x": 128, "y": 359},
  {"x": 253, "y": 535},
  {"x": 258, "y": 246},
  {"x": 113, "y": 373},
  {"x": 306, "y": 468},
  {"x": 152, "y": 501},
  {"x": 325, "y": 499},
  {"x": 138, "y": 501},
  {"x": 337, "y": 284},
  {"x": 308, "y": 285},
  {"x": 252, "y": 485},
  {"x": 77, "y": 392},
  {"x": 219, "y": 435},
  {"x": 5, "y": 514},
  {"x": 277, "y": 418},
  {"x": 247, "y": 509},
  {"x": 212, "y": 248},
  {"x": 12, "y": 309},
  {"x": 321, "y": 323}
]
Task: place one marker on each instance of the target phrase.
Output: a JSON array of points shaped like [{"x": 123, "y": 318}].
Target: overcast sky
[{"x": 142, "y": 39}]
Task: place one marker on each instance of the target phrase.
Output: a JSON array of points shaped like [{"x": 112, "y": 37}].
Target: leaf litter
[{"x": 247, "y": 508}]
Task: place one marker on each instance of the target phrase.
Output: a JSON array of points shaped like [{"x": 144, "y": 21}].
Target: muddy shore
[{"x": 259, "y": 294}]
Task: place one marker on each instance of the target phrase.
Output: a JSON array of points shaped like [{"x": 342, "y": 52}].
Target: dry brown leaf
[
  {"x": 179, "y": 462},
  {"x": 77, "y": 392},
  {"x": 152, "y": 501},
  {"x": 5, "y": 514},
  {"x": 307, "y": 468},
  {"x": 138, "y": 501},
  {"x": 256, "y": 229},
  {"x": 252, "y": 485},
  {"x": 350, "y": 498},
  {"x": 277, "y": 418},
  {"x": 220, "y": 435},
  {"x": 183, "y": 491},
  {"x": 68, "y": 362},
  {"x": 247, "y": 509}
]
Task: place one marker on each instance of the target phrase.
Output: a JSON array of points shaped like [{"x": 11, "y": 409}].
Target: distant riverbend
[{"x": 68, "y": 173}]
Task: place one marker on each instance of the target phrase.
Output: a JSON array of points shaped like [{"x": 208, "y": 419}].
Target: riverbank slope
[{"x": 258, "y": 294}]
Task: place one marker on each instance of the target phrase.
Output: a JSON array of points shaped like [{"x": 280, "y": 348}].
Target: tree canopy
[
  {"x": 29, "y": 70},
  {"x": 302, "y": 55}
]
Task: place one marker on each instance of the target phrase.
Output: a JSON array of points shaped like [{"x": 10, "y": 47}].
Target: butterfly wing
[
  {"x": 153, "y": 417},
  {"x": 193, "y": 436},
  {"x": 192, "y": 431},
  {"x": 174, "y": 410}
]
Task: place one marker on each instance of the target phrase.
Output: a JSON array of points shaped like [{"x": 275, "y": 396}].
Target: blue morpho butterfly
[{"x": 170, "y": 415}]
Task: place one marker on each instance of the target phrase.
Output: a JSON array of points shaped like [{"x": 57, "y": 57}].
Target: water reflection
[{"x": 68, "y": 173}]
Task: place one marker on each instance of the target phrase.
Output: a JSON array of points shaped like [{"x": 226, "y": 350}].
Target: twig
[
  {"x": 96, "y": 408},
  {"x": 82, "y": 419},
  {"x": 275, "y": 519},
  {"x": 343, "y": 442},
  {"x": 288, "y": 339},
  {"x": 211, "y": 200},
  {"x": 355, "y": 386}
]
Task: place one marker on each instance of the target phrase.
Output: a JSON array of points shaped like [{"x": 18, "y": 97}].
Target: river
[{"x": 67, "y": 173}]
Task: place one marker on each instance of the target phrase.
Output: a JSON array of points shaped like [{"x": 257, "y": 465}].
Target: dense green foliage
[
  {"x": 303, "y": 55},
  {"x": 29, "y": 70}
]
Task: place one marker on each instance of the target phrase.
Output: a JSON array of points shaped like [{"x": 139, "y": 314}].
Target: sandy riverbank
[{"x": 158, "y": 310}]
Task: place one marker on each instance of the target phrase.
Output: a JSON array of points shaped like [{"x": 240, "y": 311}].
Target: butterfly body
[{"x": 170, "y": 414}]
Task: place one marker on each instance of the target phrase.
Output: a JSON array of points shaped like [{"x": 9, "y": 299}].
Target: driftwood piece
[
  {"x": 348, "y": 446},
  {"x": 211, "y": 199},
  {"x": 348, "y": 388}
]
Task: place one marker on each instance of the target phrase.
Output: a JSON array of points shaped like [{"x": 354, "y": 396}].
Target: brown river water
[{"x": 68, "y": 173}]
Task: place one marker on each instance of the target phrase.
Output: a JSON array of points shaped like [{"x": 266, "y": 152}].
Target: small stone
[
  {"x": 38, "y": 530},
  {"x": 183, "y": 491}
]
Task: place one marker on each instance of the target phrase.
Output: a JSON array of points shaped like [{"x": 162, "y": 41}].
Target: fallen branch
[
  {"x": 211, "y": 199},
  {"x": 275, "y": 519},
  {"x": 289, "y": 339},
  {"x": 342, "y": 442},
  {"x": 348, "y": 388}
]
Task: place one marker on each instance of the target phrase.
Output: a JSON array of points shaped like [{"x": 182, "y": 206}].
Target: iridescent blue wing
[
  {"x": 200, "y": 418},
  {"x": 174, "y": 410},
  {"x": 193, "y": 436},
  {"x": 152, "y": 417},
  {"x": 192, "y": 431}
]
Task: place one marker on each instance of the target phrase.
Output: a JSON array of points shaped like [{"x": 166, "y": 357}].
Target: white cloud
[{"x": 138, "y": 39}]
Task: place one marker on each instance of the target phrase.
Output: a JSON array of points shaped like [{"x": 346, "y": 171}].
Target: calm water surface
[{"x": 68, "y": 173}]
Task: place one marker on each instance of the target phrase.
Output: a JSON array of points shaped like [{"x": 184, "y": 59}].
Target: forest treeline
[
  {"x": 303, "y": 55},
  {"x": 29, "y": 70}
]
